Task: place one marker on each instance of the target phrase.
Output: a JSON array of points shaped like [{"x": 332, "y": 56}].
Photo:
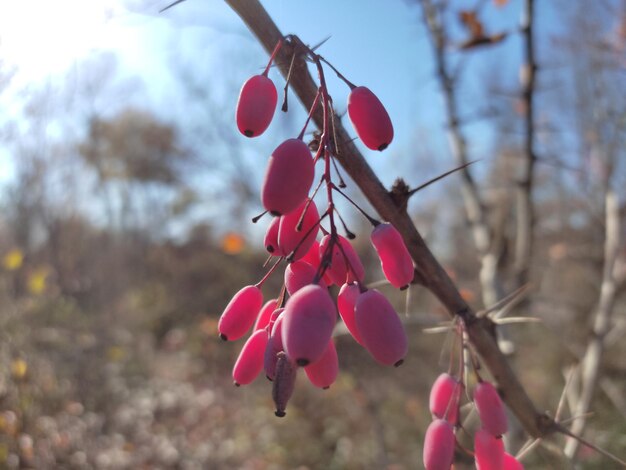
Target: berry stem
[{"x": 272, "y": 57}]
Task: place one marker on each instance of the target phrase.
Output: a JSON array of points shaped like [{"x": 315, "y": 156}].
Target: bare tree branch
[
  {"x": 590, "y": 363},
  {"x": 474, "y": 208},
  {"x": 525, "y": 210}
]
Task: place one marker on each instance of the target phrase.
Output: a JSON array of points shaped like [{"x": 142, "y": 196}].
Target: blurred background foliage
[{"x": 125, "y": 229}]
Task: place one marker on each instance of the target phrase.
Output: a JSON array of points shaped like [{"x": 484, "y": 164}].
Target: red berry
[
  {"x": 313, "y": 258},
  {"x": 345, "y": 265},
  {"x": 288, "y": 177},
  {"x": 511, "y": 463},
  {"x": 394, "y": 256},
  {"x": 256, "y": 105},
  {"x": 240, "y": 313},
  {"x": 346, "y": 301},
  {"x": 490, "y": 409},
  {"x": 289, "y": 237},
  {"x": 439, "y": 445},
  {"x": 488, "y": 451},
  {"x": 380, "y": 327},
  {"x": 271, "y": 238},
  {"x": 263, "y": 318},
  {"x": 445, "y": 395},
  {"x": 369, "y": 118},
  {"x": 309, "y": 319},
  {"x": 323, "y": 372},
  {"x": 274, "y": 343},
  {"x": 250, "y": 360},
  {"x": 297, "y": 275}
]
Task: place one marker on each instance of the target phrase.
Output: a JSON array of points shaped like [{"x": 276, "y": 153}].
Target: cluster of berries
[
  {"x": 294, "y": 330},
  {"x": 440, "y": 441}
]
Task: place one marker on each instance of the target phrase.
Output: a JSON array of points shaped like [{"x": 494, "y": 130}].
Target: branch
[
  {"x": 480, "y": 330},
  {"x": 590, "y": 363},
  {"x": 474, "y": 208},
  {"x": 525, "y": 210}
]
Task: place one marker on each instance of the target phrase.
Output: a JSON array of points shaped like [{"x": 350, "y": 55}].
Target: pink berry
[
  {"x": 288, "y": 177},
  {"x": 345, "y": 265},
  {"x": 310, "y": 317},
  {"x": 240, "y": 313},
  {"x": 394, "y": 256},
  {"x": 369, "y": 118},
  {"x": 488, "y": 451},
  {"x": 511, "y": 463},
  {"x": 297, "y": 275},
  {"x": 445, "y": 395},
  {"x": 490, "y": 409},
  {"x": 250, "y": 360},
  {"x": 263, "y": 318},
  {"x": 284, "y": 383},
  {"x": 274, "y": 344},
  {"x": 271, "y": 238},
  {"x": 380, "y": 327},
  {"x": 439, "y": 445},
  {"x": 346, "y": 301},
  {"x": 256, "y": 105},
  {"x": 323, "y": 372},
  {"x": 289, "y": 237},
  {"x": 313, "y": 258}
]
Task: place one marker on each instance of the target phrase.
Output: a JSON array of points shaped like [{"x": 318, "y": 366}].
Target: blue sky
[{"x": 382, "y": 45}]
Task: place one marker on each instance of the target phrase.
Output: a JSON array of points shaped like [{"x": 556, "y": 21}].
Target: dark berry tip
[
  {"x": 248, "y": 133},
  {"x": 269, "y": 378},
  {"x": 270, "y": 248},
  {"x": 302, "y": 362},
  {"x": 381, "y": 147},
  {"x": 326, "y": 387},
  {"x": 275, "y": 213},
  {"x": 223, "y": 337},
  {"x": 236, "y": 384},
  {"x": 280, "y": 414},
  {"x": 399, "y": 363},
  {"x": 404, "y": 287}
]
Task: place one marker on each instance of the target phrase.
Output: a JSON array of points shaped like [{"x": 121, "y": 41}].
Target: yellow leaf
[
  {"x": 232, "y": 243},
  {"x": 19, "y": 368},
  {"x": 13, "y": 260},
  {"x": 37, "y": 281}
]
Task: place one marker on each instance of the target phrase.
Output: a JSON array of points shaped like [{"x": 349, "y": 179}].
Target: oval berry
[
  {"x": 288, "y": 177},
  {"x": 394, "y": 256},
  {"x": 256, "y": 105},
  {"x": 344, "y": 263},
  {"x": 323, "y": 372},
  {"x": 369, "y": 119},
  {"x": 297, "y": 275},
  {"x": 445, "y": 395},
  {"x": 380, "y": 328},
  {"x": 289, "y": 237},
  {"x": 488, "y": 451},
  {"x": 490, "y": 408},
  {"x": 250, "y": 360},
  {"x": 346, "y": 301},
  {"x": 263, "y": 318},
  {"x": 439, "y": 445},
  {"x": 511, "y": 463},
  {"x": 271, "y": 238},
  {"x": 274, "y": 344},
  {"x": 240, "y": 313},
  {"x": 308, "y": 323},
  {"x": 313, "y": 258}
]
